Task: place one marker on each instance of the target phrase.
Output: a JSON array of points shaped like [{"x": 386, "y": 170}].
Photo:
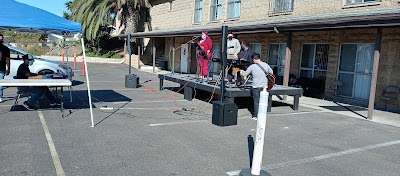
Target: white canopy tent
[{"x": 20, "y": 17}]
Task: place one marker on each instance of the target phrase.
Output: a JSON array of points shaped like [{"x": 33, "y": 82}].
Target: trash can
[
  {"x": 164, "y": 65},
  {"x": 131, "y": 81}
]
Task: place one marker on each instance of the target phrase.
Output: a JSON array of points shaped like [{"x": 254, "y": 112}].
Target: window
[
  {"x": 15, "y": 55},
  {"x": 276, "y": 58},
  {"x": 233, "y": 9},
  {"x": 279, "y": 6},
  {"x": 256, "y": 47},
  {"x": 198, "y": 8},
  {"x": 350, "y": 2},
  {"x": 314, "y": 61},
  {"x": 215, "y": 10},
  {"x": 355, "y": 70}
]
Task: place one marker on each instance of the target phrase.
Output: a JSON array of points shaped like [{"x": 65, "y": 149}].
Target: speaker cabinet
[
  {"x": 131, "y": 81},
  {"x": 224, "y": 113}
]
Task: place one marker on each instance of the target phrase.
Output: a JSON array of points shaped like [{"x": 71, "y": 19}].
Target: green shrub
[{"x": 104, "y": 54}]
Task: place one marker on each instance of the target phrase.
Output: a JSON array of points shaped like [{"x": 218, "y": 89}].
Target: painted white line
[
  {"x": 52, "y": 147},
  {"x": 141, "y": 102},
  {"x": 106, "y": 81},
  {"x": 151, "y": 109},
  {"x": 321, "y": 157},
  {"x": 174, "y": 123},
  {"x": 296, "y": 113},
  {"x": 196, "y": 121}
]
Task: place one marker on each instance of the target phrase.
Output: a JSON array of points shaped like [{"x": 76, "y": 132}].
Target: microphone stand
[{"x": 190, "y": 41}]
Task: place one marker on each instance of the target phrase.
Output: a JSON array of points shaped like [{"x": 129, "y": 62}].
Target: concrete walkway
[{"x": 382, "y": 117}]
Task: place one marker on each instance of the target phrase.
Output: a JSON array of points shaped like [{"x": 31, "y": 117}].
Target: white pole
[
  {"x": 87, "y": 81},
  {"x": 261, "y": 123}
]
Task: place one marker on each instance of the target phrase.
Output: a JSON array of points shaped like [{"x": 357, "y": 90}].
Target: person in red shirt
[{"x": 206, "y": 44}]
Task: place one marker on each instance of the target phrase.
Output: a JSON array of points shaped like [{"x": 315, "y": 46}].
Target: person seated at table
[{"x": 36, "y": 92}]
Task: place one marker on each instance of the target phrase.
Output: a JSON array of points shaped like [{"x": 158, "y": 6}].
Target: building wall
[
  {"x": 388, "y": 74},
  {"x": 182, "y": 13}
]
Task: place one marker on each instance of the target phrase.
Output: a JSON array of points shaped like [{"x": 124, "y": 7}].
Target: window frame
[
  {"x": 233, "y": 10},
  {"x": 361, "y": 3},
  {"x": 216, "y": 16},
  {"x": 269, "y": 50},
  {"x": 312, "y": 69},
  {"x": 273, "y": 11},
  {"x": 254, "y": 50},
  {"x": 198, "y": 9}
]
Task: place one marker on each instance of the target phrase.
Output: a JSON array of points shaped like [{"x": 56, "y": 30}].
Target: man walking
[
  {"x": 4, "y": 63},
  {"x": 258, "y": 70}
]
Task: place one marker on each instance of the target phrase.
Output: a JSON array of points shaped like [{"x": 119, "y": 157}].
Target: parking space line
[
  {"x": 196, "y": 121},
  {"x": 321, "y": 157},
  {"x": 52, "y": 147}
]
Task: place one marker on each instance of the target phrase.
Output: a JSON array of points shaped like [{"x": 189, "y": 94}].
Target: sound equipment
[
  {"x": 131, "y": 81},
  {"x": 224, "y": 113}
]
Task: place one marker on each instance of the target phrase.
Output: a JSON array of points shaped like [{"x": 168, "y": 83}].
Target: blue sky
[{"x": 54, "y": 6}]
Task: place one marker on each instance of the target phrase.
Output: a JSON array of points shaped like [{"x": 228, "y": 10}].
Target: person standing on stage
[
  {"x": 259, "y": 79},
  {"x": 233, "y": 49},
  {"x": 204, "y": 56},
  {"x": 4, "y": 63},
  {"x": 246, "y": 53}
]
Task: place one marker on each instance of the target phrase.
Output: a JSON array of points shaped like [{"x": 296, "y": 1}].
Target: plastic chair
[{"x": 391, "y": 93}]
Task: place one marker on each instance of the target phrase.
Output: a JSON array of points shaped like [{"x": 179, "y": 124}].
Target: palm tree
[{"x": 123, "y": 15}]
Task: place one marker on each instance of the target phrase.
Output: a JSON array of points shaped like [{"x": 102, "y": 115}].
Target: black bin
[
  {"x": 163, "y": 65},
  {"x": 131, "y": 81}
]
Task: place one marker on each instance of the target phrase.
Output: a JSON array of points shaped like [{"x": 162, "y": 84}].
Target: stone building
[{"x": 327, "y": 41}]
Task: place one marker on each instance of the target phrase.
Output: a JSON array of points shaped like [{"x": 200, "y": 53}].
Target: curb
[{"x": 88, "y": 60}]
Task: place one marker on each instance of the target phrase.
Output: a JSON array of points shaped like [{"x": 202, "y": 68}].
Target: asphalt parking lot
[{"x": 145, "y": 131}]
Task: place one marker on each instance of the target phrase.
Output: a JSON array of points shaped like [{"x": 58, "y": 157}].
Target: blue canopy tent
[{"x": 20, "y": 17}]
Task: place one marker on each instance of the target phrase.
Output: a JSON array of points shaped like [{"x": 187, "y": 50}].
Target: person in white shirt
[
  {"x": 233, "y": 49},
  {"x": 259, "y": 79}
]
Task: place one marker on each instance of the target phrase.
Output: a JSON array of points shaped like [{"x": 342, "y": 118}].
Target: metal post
[
  {"x": 224, "y": 34},
  {"x": 287, "y": 62},
  {"x": 173, "y": 58},
  {"x": 128, "y": 43},
  {"x": 139, "y": 52},
  {"x": 154, "y": 56},
  {"x": 374, "y": 73}
]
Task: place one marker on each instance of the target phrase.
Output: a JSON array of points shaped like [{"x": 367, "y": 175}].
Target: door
[
  {"x": 355, "y": 70},
  {"x": 184, "y": 58}
]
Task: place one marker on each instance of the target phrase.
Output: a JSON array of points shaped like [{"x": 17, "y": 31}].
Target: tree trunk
[{"x": 131, "y": 20}]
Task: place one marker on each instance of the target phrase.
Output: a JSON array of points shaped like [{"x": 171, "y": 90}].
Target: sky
[{"x": 54, "y": 6}]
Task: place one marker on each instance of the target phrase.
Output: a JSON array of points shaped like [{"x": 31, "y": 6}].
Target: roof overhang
[{"x": 356, "y": 19}]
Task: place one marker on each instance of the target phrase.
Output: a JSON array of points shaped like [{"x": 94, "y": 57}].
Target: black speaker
[
  {"x": 224, "y": 113},
  {"x": 131, "y": 81}
]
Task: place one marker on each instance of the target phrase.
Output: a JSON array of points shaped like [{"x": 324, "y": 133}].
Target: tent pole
[
  {"x": 68, "y": 72},
  {"x": 88, "y": 83}
]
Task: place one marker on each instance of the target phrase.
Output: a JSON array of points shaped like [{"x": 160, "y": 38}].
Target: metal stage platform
[{"x": 230, "y": 92}]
